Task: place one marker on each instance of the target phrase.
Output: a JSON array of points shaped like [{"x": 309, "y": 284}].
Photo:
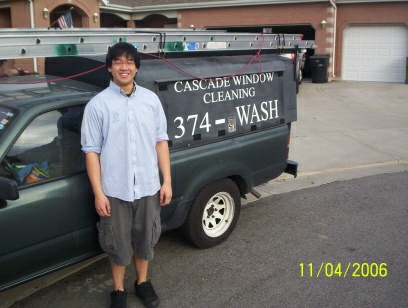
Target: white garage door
[{"x": 375, "y": 53}]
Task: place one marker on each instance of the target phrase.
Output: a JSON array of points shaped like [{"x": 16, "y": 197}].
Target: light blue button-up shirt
[{"x": 124, "y": 131}]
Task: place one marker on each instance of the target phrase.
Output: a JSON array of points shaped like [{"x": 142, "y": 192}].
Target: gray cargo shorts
[{"x": 133, "y": 227}]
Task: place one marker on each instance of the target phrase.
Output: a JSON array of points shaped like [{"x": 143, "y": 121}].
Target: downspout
[
  {"x": 32, "y": 27},
  {"x": 334, "y": 33}
]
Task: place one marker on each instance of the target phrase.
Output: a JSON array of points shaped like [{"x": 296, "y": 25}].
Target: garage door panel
[
  {"x": 399, "y": 42},
  {"x": 383, "y": 64},
  {"x": 366, "y": 64},
  {"x": 353, "y": 52},
  {"x": 375, "y": 53},
  {"x": 399, "y": 52},
  {"x": 368, "y": 52},
  {"x": 383, "y": 52},
  {"x": 368, "y": 40},
  {"x": 353, "y": 64},
  {"x": 395, "y": 65},
  {"x": 366, "y": 31},
  {"x": 354, "y": 41},
  {"x": 400, "y": 37},
  {"x": 384, "y": 40}
]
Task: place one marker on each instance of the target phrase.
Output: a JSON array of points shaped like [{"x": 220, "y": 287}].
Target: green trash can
[{"x": 319, "y": 65}]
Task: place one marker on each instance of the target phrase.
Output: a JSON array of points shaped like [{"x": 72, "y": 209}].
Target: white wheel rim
[{"x": 218, "y": 214}]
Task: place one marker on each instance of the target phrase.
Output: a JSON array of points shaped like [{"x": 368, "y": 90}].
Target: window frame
[{"x": 67, "y": 104}]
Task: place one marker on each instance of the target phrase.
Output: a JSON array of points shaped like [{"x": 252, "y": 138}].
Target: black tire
[{"x": 221, "y": 202}]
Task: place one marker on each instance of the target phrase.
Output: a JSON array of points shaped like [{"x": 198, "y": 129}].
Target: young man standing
[{"x": 125, "y": 140}]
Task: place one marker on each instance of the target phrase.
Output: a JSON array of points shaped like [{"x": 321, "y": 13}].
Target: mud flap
[{"x": 291, "y": 168}]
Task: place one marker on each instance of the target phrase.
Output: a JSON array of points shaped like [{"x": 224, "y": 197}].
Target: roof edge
[
  {"x": 225, "y": 3},
  {"x": 366, "y": 1},
  {"x": 199, "y": 5}
]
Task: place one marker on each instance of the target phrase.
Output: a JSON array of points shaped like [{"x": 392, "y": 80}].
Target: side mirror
[{"x": 8, "y": 189}]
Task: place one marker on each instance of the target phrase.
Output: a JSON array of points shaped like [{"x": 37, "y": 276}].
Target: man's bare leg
[
  {"x": 118, "y": 276},
  {"x": 141, "y": 266}
]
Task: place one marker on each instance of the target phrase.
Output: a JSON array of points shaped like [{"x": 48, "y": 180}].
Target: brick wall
[
  {"x": 84, "y": 11},
  {"x": 20, "y": 18},
  {"x": 265, "y": 15},
  {"x": 20, "y": 13},
  {"x": 295, "y": 14},
  {"x": 298, "y": 14}
]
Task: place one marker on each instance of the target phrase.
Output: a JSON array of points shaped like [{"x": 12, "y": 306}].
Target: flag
[{"x": 65, "y": 20}]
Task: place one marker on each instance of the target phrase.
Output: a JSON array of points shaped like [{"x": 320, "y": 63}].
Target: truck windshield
[{"x": 6, "y": 116}]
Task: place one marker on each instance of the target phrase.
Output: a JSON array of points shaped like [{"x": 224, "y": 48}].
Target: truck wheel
[{"x": 213, "y": 214}]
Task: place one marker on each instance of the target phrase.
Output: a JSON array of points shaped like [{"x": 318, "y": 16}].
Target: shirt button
[{"x": 111, "y": 247}]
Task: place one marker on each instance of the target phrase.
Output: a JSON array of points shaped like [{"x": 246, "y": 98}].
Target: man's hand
[
  {"x": 102, "y": 206},
  {"x": 163, "y": 156},
  {"x": 165, "y": 194},
  {"x": 93, "y": 166}
]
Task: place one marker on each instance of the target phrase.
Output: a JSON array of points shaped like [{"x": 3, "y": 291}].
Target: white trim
[
  {"x": 224, "y": 3},
  {"x": 334, "y": 36},
  {"x": 138, "y": 15},
  {"x": 116, "y": 8},
  {"x": 201, "y": 5},
  {"x": 141, "y": 15},
  {"x": 32, "y": 27},
  {"x": 365, "y": 1}
]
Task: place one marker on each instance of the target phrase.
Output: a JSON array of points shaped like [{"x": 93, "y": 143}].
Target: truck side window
[{"x": 50, "y": 146}]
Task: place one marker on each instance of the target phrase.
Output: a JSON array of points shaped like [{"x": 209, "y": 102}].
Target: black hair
[{"x": 122, "y": 49}]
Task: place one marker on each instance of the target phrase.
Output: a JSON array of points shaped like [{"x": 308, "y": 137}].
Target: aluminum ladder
[{"x": 31, "y": 43}]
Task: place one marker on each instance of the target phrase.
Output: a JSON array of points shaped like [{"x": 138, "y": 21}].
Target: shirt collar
[{"x": 118, "y": 90}]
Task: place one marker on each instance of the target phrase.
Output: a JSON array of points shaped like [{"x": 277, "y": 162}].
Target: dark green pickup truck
[{"x": 229, "y": 131}]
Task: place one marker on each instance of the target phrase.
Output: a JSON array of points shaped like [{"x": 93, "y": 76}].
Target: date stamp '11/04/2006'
[{"x": 350, "y": 269}]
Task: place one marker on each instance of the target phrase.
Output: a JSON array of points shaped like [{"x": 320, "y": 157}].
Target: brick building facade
[
  {"x": 334, "y": 25},
  {"x": 42, "y": 14}
]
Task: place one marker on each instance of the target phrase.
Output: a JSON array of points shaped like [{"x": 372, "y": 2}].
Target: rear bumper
[{"x": 291, "y": 168}]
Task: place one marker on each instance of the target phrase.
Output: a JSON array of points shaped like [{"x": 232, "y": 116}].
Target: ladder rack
[{"x": 31, "y": 43}]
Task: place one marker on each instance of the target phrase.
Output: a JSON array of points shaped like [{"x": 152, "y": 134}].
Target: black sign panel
[{"x": 205, "y": 110}]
